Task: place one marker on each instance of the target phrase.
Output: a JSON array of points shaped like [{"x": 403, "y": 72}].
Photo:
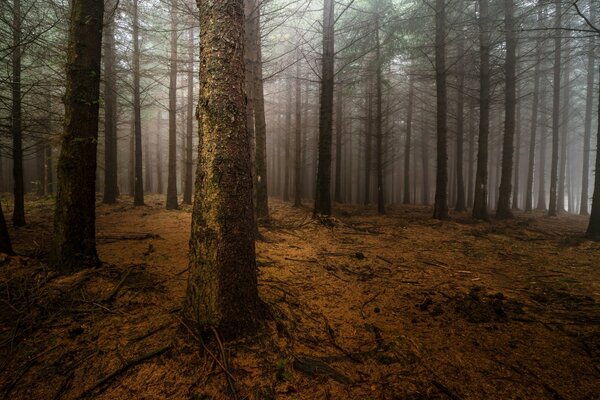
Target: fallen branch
[
  {"x": 127, "y": 236},
  {"x": 442, "y": 388},
  {"x": 116, "y": 289}
]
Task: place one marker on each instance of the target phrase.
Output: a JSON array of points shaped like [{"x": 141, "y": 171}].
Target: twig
[
  {"x": 442, "y": 388},
  {"x": 116, "y": 289}
]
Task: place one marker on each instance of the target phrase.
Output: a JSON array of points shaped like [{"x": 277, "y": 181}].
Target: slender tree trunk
[
  {"x": 379, "y": 122},
  {"x": 564, "y": 131},
  {"x": 440, "y": 208},
  {"x": 288, "y": 135},
  {"x": 222, "y": 291},
  {"x": 172, "y": 168},
  {"x": 138, "y": 191},
  {"x": 460, "y": 134},
  {"x": 587, "y": 131},
  {"x": 159, "y": 172},
  {"x": 16, "y": 120},
  {"x": 339, "y": 110},
  {"x": 534, "y": 122},
  {"x": 541, "y": 203},
  {"x": 5, "y": 244},
  {"x": 368, "y": 140},
  {"x": 504, "y": 210},
  {"x": 110, "y": 111},
  {"x": 323, "y": 188},
  {"x": 425, "y": 157},
  {"x": 471, "y": 169},
  {"x": 74, "y": 239},
  {"x": 298, "y": 141},
  {"x": 517, "y": 171},
  {"x": 480, "y": 202},
  {"x": 187, "y": 192},
  {"x": 260, "y": 128},
  {"x": 593, "y": 230},
  {"x": 49, "y": 169},
  {"x": 553, "y": 208},
  {"x": 407, "y": 143}
]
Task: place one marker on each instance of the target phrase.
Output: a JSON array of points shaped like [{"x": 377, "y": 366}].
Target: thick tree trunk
[
  {"x": 553, "y": 207},
  {"x": 74, "y": 239},
  {"x": 222, "y": 288},
  {"x": 172, "y": 167},
  {"x": 504, "y": 209},
  {"x": 587, "y": 130},
  {"x": 407, "y": 143},
  {"x": 593, "y": 230},
  {"x": 16, "y": 120},
  {"x": 189, "y": 181},
  {"x": 323, "y": 187},
  {"x": 440, "y": 208},
  {"x": 298, "y": 141},
  {"x": 260, "y": 128},
  {"x": 480, "y": 202},
  {"x": 5, "y": 244},
  {"x": 138, "y": 191},
  {"x": 110, "y": 111}
]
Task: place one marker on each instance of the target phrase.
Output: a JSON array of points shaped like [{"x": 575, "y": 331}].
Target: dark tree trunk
[
  {"x": 587, "y": 131},
  {"x": 110, "y": 111},
  {"x": 138, "y": 191},
  {"x": 553, "y": 207},
  {"x": 541, "y": 203},
  {"x": 407, "y": 143},
  {"x": 517, "y": 171},
  {"x": 593, "y": 230},
  {"x": 379, "y": 121},
  {"x": 222, "y": 288},
  {"x": 49, "y": 169},
  {"x": 16, "y": 120},
  {"x": 534, "y": 121},
  {"x": 368, "y": 139},
  {"x": 480, "y": 202},
  {"x": 440, "y": 208},
  {"x": 471, "y": 169},
  {"x": 5, "y": 244},
  {"x": 187, "y": 190},
  {"x": 159, "y": 171},
  {"x": 298, "y": 141},
  {"x": 40, "y": 167},
  {"x": 460, "y": 134},
  {"x": 504, "y": 209},
  {"x": 339, "y": 110},
  {"x": 172, "y": 167},
  {"x": 425, "y": 157},
  {"x": 260, "y": 127},
  {"x": 74, "y": 239},
  {"x": 564, "y": 131},
  {"x": 323, "y": 188},
  {"x": 288, "y": 141}
]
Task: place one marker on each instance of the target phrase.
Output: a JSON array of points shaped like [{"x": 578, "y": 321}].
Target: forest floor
[{"x": 367, "y": 307}]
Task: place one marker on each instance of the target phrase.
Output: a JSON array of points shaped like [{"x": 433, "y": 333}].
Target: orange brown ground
[{"x": 363, "y": 307}]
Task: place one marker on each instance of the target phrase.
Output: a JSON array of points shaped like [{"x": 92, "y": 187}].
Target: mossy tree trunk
[
  {"x": 222, "y": 288},
  {"x": 74, "y": 240}
]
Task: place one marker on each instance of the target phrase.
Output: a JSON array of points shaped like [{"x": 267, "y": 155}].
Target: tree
[
  {"x": 74, "y": 239},
  {"x": 172, "y": 170},
  {"x": 379, "y": 117},
  {"x": 298, "y": 140},
  {"x": 587, "y": 131},
  {"x": 187, "y": 188},
  {"x": 480, "y": 201},
  {"x": 222, "y": 291},
  {"x": 5, "y": 244},
  {"x": 138, "y": 191},
  {"x": 510, "y": 104},
  {"x": 323, "y": 191},
  {"x": 460, "y": 182},
  {"x": 553, "y": 207},
  {"x": 593, "y": 230},
  {"x": 440, "y": 208},
  {"x": 16, "y": 119},
  {"x": 110, "y": 111},
  {"x": 409, "y": 118}
]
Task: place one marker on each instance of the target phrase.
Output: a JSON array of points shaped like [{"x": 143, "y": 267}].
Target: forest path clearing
[{"x": 397, "y": 307}]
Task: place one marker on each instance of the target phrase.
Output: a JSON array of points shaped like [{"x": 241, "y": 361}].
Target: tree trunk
[
  {"x": 159, "y": 171},
  {"x": 517, "y": 171},
  {"x": 564, "y": 131},
  {"x": 49, "y": 169},
  {"x": 440, "y": 208},
  {"x": 110, "y": 111},
  {"x": 288, "y": 141},
  {"x": 480, "y": 202},
  {"x": 593, "y": 230},
  {"x": 471, "y": 169},
  {"x": 379, "y": 121},
  {"x": 553, "y": 207},
  {"x": 5, "y": 244},
  {"x": 260, "y": 127},
  {"x": 222, "y": 288},
  {"x": 504, "y": 209},
  {"x": 541, "y": 203},
  {"x": 74, "y": 239},
  {"x": 368, "y": 140},
  {"x": 323, "y": 187},
  {"x": 407, "y": 143},
  {"x": 425, "y": 157},
  {"x": 172, "y": 167},
  {"x": 187, "y": 191},
  {"x": 16, "y": 120},
  {"x": 339, "y": 110},
  {"x": 460, "y": 134},
  {"x": 587, "y": 131},
  {"x": 534, "y": 121},
  {"x": 298, "y": 141},
  {"x": 138, "y": 192}
]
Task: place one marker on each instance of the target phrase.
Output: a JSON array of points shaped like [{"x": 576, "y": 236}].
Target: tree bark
[
  {"x": 504, "y": 210},
  {"x": 593, "y": 230},
  {"x": 16, "y": 120},
  {"x": 260, "y": 127},
  {"x": 222, "y": 288},
  {"x": 440, "y": 208},
  {"x": 534, "y": 120},
  {"x": 553, "y": 207},
  {"x": 5, "y": 244},
  {"x": 587, "y": 130},
  {"x": 460, "y": 134},
  {"x": 298, "y": 140},
  {"x": 288, "y": 141},
  {"x": 74, "y": 239},
  {"x": 138, "y": 191},
  {"x": 172, "y": 166},
  {"x": 541, "y": 203},
  {"x": 564, "y": 132},
  {"x": 187, "y": 190},
  {"x": 339, "y": 127},
  {"x": 110, "y": 111},
  {"x": 407, "y": 143},
  {"x": 368, "y": 140},
  {"x": 480, "y": 202},
  {"x": 323, "y": 187},
  {"x": 379, "y": 121}
]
